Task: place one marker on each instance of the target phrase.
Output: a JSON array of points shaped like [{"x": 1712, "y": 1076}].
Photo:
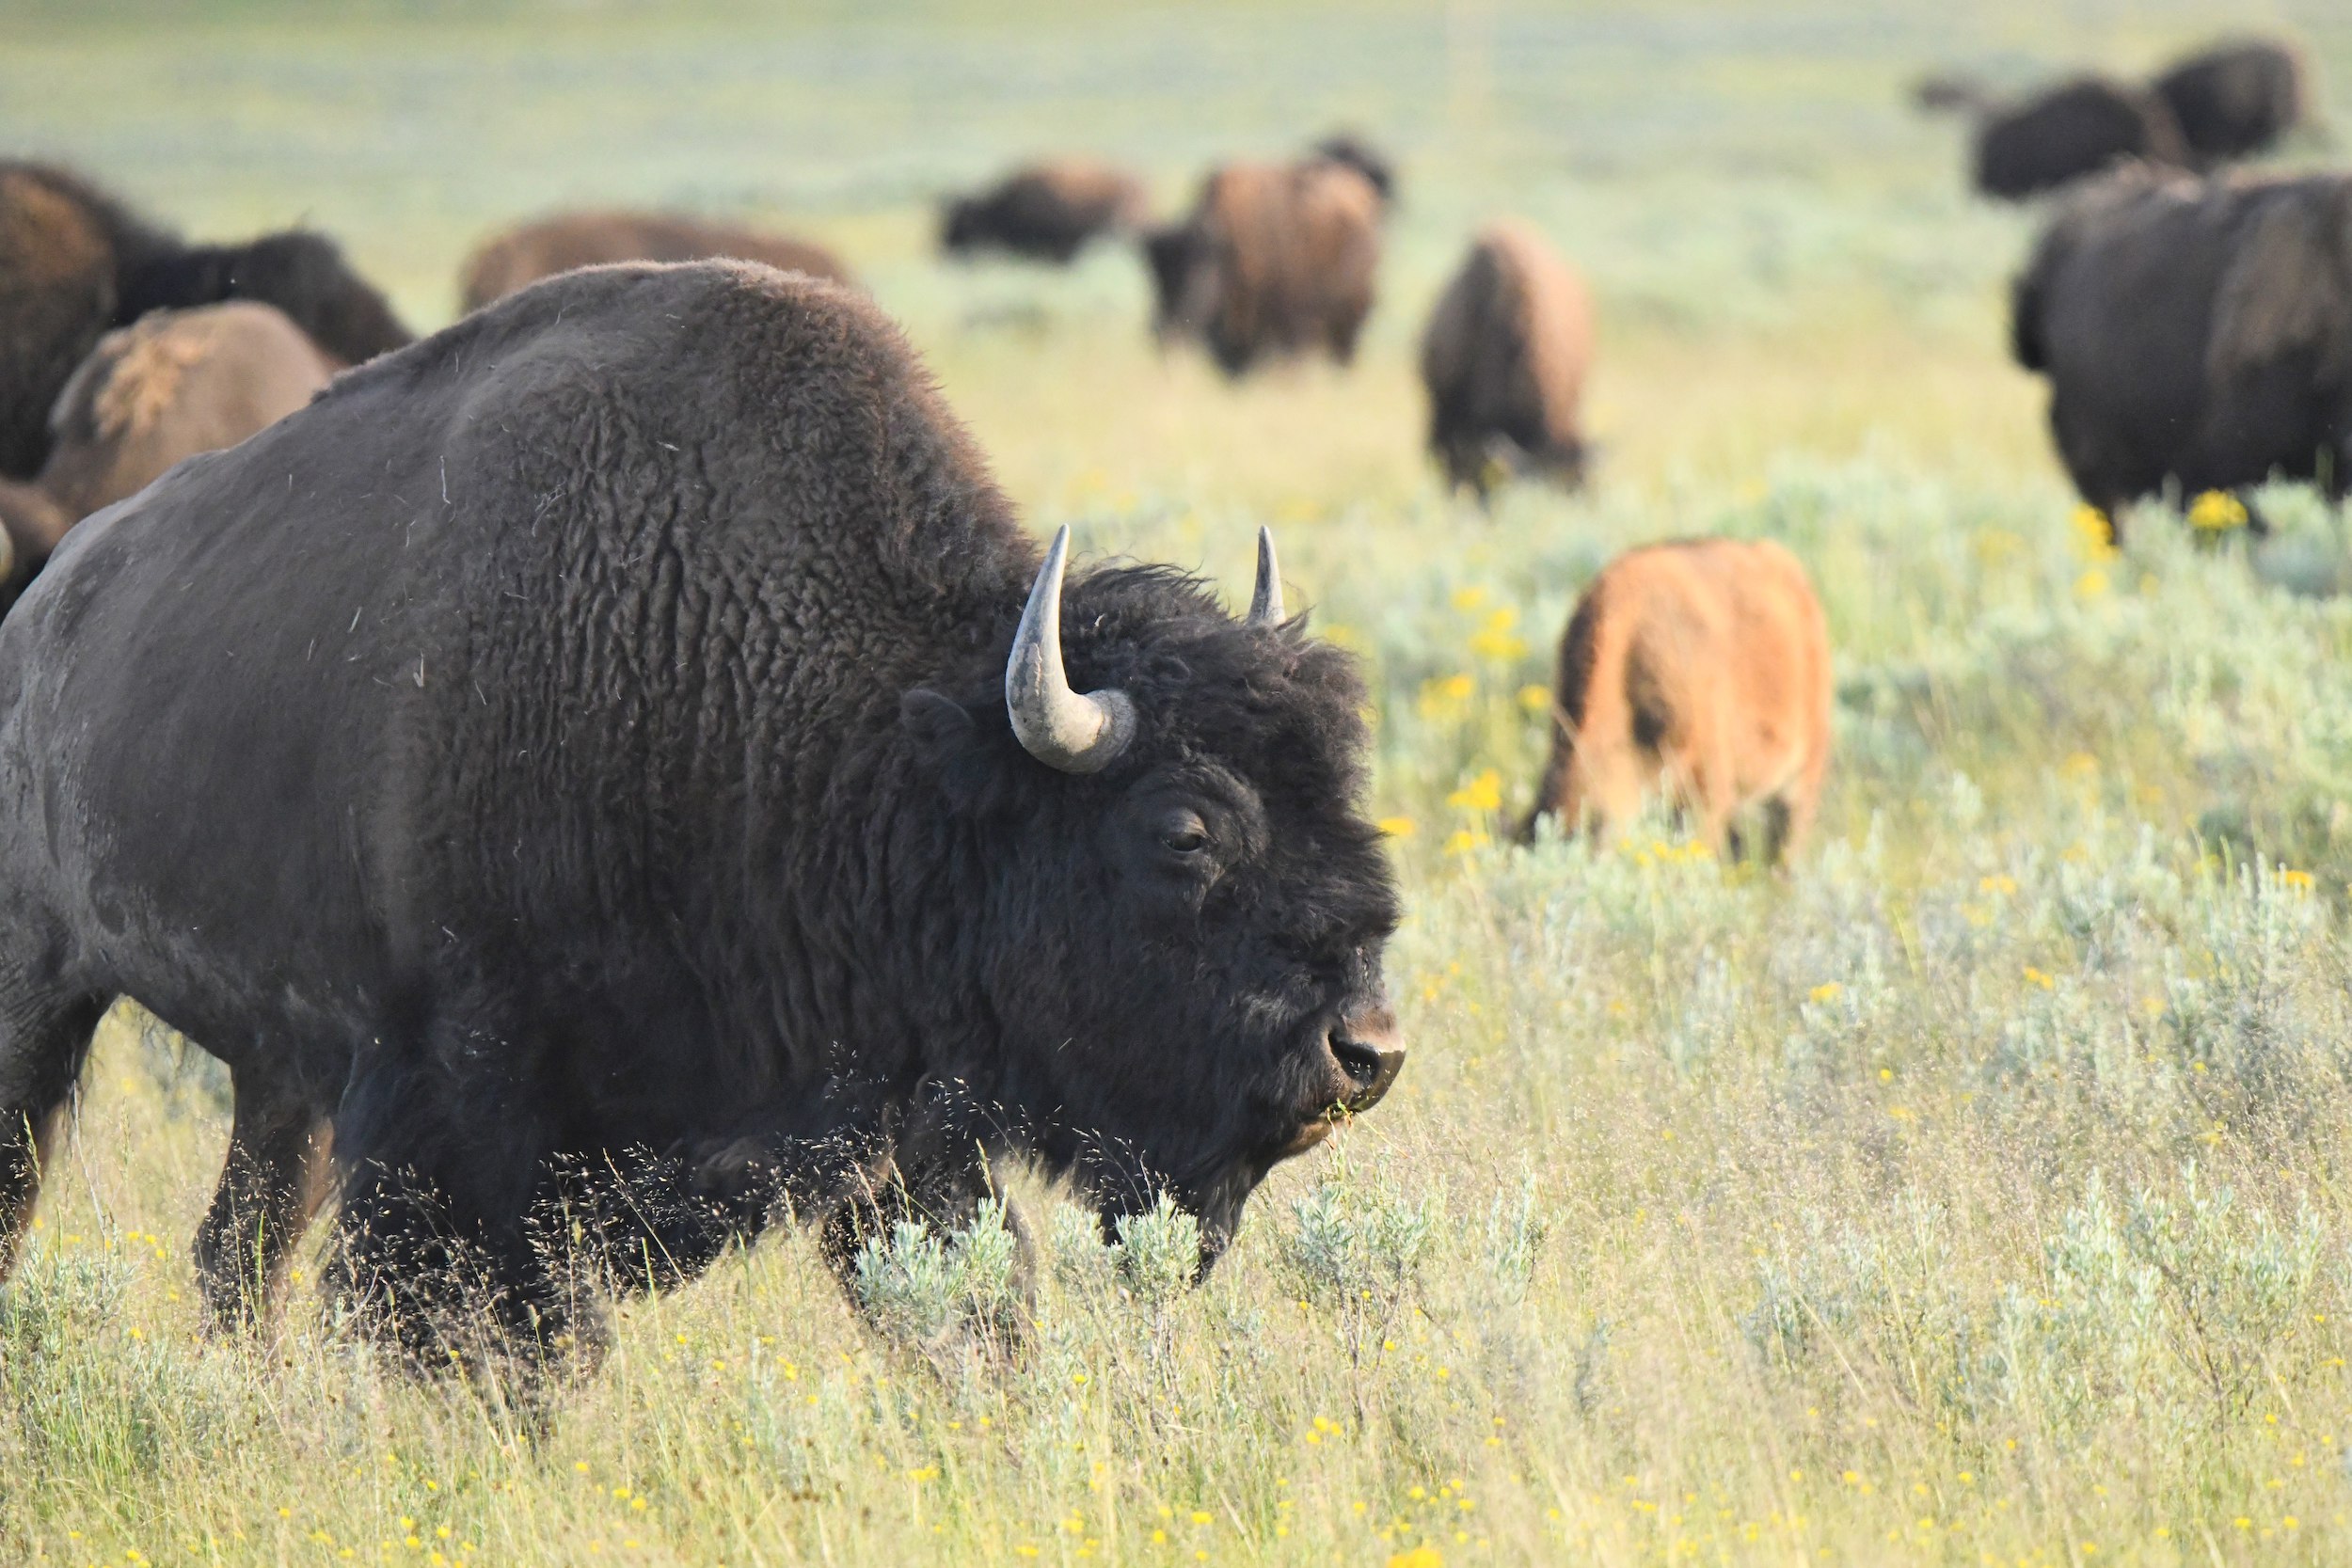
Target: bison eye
[{"x": 1182, "y": 832}]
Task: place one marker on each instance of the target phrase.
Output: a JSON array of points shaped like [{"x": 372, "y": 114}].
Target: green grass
[{"x": 1975, "y": 1192}]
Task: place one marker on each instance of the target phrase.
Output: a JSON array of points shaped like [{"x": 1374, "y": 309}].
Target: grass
[{"x": 1975, "y": 1192}]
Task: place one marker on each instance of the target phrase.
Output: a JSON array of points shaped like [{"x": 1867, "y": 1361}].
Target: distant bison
[
  {"x": 568, "y": 240},
  {"x": 1273, "y": 260},
  {"x": 1047, "y": 211},
  {"x": 74, "y": 262},
  {"x": 1699, "y": 671},
  {"x": 2195, "y": 334},
  {"x": 1503, "y": 359},
  {"x": 1346, "y": 147},
  {"x": 616, "y": 773},
  {"x": 2236, "y": 99},
  {"x": 2072, "y": 131},
  {"x": 172, "y": 384}
]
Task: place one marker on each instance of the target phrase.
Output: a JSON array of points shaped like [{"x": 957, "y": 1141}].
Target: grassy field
[{"x": 1974, "y": 1193}]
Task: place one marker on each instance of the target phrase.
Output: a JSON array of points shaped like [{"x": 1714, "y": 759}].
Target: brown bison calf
[
  {"x": 172, "y": 384},
  {"x": 1047, "y": 211},
  {"x": 569, "y": 240},
  {"x": 1274, "y": 259},
  {"x": 1503, "y": 359},
  {"x": 1698, "y": 669}
]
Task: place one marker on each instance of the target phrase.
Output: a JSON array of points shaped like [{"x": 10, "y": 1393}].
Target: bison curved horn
[
  {"x": 1266, "y": 601},
  {"x": 1074, "y": 732}
]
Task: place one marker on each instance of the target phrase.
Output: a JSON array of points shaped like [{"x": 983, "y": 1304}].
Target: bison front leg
[{"x": 272, "y": 1183}]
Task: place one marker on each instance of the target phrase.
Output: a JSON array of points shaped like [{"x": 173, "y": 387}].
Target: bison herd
[{"x": 614, "y": 773}]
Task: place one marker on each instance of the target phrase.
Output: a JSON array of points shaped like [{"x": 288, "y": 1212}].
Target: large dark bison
[
  {"x": 620, "y": 763},
  {"x": 170, "y": 385},
  {"x": 73, "y": 263},
  {"x": 2237, "y": 98},
  {"x": 566, "y": 241},
  {"x": 2196, "y": 333},
  {"x": 1047, "y": 211},
  {"x": 1504, "y": 360},
  {"x": 1274, "y": 258},
  {"x": 1697, "y": 671}
]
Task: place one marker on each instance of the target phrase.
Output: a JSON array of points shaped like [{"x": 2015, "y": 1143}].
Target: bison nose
[{"x": 1369, "y": 1050}]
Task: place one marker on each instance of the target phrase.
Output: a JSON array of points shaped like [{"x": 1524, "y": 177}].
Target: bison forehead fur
[{"x": 584, "y": 731}]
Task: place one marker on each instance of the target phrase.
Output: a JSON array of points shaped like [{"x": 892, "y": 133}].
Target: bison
[
  {"x": 1698, "y": 669},
  {"x": 2197, "y": 334},
  {"x": 1348, "y": 147},
  {"x": 1504, "y": 360},
  {"x": 566, "y": 241},
  {"x": 1047, "y": 211},
  {"x": 1273, "y": 259},
  {"x": 74, "y": 262},
  {"x": 2237, "y": 98},
  {"x": 617, "y": 771},
  {"x": 172, "y": 384},
  {"x": 2066, "y": 133}
]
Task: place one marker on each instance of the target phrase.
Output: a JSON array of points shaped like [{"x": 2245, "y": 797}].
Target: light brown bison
[
  {"x": 172, "y": 384},
  {"x": 73, "y": 263},
  {"x": 1047, "y": 211},
  {"x": 1503, "y": 359},
  {"x": 565, "y": 241},
  {"x": 1273, "y": 260},
  {"x": 2196, "y": 333},
  {"x": 2237, "y": 98},
  {"x": 1699, "y": 669}
]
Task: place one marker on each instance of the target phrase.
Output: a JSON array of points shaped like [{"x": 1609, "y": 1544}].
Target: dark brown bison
[
  {"x": 170, "y": 385},
  {"x": 1348, "y": 147},
  {"x": 668, "y": 794},
  {"x": 567, "y": 241},
  {"x": 1698, "y": 671},
  {"x": 1274, "y": 259},
  {"x": 2237, "y": 98},
  {"x": 1046, "y": 210},
  {"x": 2066, "y": 133},
  {"x": 74, "y": 262},
  {"x": 1503, "y": 359},
  {"x": 2197, "y": 334}
]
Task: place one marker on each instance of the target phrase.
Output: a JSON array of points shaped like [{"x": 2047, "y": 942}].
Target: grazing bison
[
  {"x": 2235, "y": 99},
  {"x": 2068, "y": 132},
  {"x": 665, "y": 795},
  {"x": 74, "y": 262},
  {"x": 569, "y": 240},
  {"x": 1346, "y": 147},
  {"x": 1047, "y": 211},
  {"x": 172, "y": 384},
  {"x": 1699, "y": 669},
  {"x": 2197, "y": 334},
  {"x": 1273, "y": 259},
  {"x": 1504, "y": 360}
]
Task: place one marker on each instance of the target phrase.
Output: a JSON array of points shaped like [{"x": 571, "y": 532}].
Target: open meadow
[{"x": 1975, "y": 1192}]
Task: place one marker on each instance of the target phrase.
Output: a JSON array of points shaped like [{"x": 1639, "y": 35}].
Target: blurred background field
[{"x": 1975, "y": 1191}]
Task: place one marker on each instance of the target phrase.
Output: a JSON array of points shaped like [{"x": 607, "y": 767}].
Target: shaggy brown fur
[
  {"x": 73, "y": 263},
  {"x": 1700, "y": 670},
  {"x": 568, "y": 240},
  {"x": 1048, "y": 211},
  {"x": 1274, "y": 259},
  {"x": 1505, "y": 357},
  {"x": 2235, "y": 99}
]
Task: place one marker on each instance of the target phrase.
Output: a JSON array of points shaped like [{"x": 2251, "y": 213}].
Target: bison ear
[{"x": 947, "y": 737}]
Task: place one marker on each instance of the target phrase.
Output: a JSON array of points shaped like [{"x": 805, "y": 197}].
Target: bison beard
[{"x": 584, "y": 772}]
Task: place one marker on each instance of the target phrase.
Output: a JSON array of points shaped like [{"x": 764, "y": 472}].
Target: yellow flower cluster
[{"x": 2217, "y": 512}]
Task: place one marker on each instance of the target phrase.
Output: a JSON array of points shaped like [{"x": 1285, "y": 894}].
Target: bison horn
[
  {"x": 1266, "y": 601},
  {"x": 1077, "y": 733}
]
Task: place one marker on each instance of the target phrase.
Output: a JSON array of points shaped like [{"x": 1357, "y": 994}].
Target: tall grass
[{"x": 1975, "y": 1190}]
